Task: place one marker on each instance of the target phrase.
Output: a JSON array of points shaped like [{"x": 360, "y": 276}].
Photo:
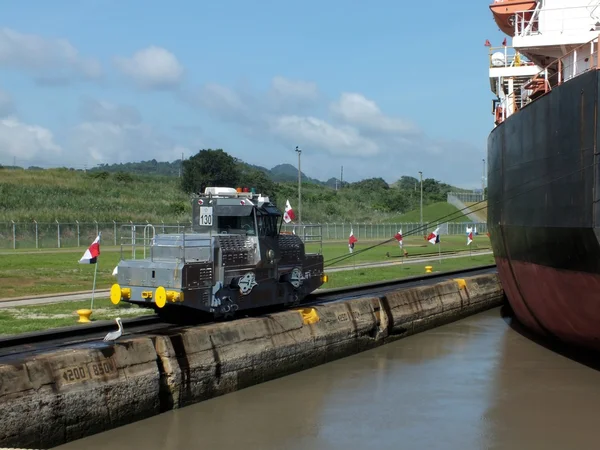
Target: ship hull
[{"x": 543, "y": 214}]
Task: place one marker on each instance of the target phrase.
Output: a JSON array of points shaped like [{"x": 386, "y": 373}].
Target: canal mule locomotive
[{"x": 234, "y": 259}]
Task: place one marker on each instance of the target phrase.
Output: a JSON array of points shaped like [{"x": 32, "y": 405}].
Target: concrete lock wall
[{"x": 52, "y": 398}]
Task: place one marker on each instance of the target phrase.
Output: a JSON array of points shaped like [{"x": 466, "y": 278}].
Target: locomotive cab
[{"x": 233, "y": 258}]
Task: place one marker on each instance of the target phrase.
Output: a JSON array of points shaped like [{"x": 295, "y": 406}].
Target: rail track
[
  {"x": 93, "y": 333},
  {"x": 103, "y": 293}
]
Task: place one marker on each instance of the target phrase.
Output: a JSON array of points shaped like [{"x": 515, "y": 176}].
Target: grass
[
  {"x": 36, "y": 273},
  {"x": 359, "y": 276},
  {"x": 68, "y": 195},
  {"x": 40, "y": 317},
  {"x": 24, "y": 319},
  {"x": 431, "y": 213}
]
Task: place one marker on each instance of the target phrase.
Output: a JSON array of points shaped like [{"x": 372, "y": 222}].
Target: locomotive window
[
  {"x": 237, "y": 224},
  {"x": 267, "y": 225}
]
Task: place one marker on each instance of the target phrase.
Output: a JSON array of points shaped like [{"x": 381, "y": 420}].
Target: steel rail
[{"x": 78, "y": 334}]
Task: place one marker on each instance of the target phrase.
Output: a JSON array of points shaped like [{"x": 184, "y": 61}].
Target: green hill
[{"x": 153, "y": 191}]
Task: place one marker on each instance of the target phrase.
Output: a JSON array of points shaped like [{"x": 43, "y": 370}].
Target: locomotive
[{"x": 235, "y": 258}]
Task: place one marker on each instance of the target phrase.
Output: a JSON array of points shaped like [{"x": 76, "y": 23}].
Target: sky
[{"x": 384, "y": 90}]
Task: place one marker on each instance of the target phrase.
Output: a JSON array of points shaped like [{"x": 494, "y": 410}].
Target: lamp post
[
  {"x": 299, "y": 187},
  {"x": 483, "y": 181},
  {"x": 421, "y": 175}
]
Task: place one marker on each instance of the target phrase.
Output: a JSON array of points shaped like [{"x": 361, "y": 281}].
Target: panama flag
[
  {"x": 469, "y": 235},
  {"x": 91, "y": 254},
  {"x": 434, "y": 237},
  {"x": 288, "y": 215},
  {"x": 351, "y": 241},
  {"x": 398, "y": 237}
]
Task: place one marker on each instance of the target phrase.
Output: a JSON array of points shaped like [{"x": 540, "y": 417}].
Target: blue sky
[{"x": 384, "y": 90}]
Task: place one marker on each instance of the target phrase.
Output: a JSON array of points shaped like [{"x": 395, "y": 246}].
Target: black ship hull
[{"x": 543, "y": 214}]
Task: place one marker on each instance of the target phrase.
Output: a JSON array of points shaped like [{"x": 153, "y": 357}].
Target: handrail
[
  {"x": 560, "y": 59},
  {"x": 512, "y": 57},
  {"x": 551, "y": 75},
  {"x": 525, "y": 20}
]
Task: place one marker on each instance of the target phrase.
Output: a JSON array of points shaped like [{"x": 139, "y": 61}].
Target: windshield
[{"x": 236, "y": 225}]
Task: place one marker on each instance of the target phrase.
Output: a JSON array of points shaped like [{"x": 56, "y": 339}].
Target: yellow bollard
[
  {"x": 309, "y": 315},
  {"x": 84, "y": 315},
  {"x": 428, "y": 269}
]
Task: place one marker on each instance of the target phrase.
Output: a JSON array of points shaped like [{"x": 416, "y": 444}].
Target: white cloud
[
  {"x": 28, "y": 143},
  {"x": 50, "y": 60},
  {"x": 286, "y": 94},
  {"x": 7, "y": 105},
  {"x": 152, "y": 68},
  {"x": 318, "y": 134},
  {"x": 103, "y": 111},
  {"x": 355, "y": 109},
  {"x": 113, "y": 133},
  {"x": 356, "y": 134},
  {"x": 225, "y": 103}
]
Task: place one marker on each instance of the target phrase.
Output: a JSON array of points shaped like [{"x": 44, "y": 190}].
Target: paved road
[{"x": 104, "y": 293}]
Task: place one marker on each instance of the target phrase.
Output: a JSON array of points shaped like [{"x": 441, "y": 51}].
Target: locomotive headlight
[{"x": 271, "y": 254}]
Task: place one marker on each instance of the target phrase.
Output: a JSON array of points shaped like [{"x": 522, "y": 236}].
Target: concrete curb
[{"x": 52, "y": 398}]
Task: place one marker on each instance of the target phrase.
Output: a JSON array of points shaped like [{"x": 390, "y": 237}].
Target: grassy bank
[
  {"x": 68, "y": 196},
  {"x": 32, "y": 273},
  {"x": 40, "y": 317}
]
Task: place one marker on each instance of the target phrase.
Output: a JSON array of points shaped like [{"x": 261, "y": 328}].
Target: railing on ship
[
  {"x": 557, "y": 21},
  {"x": 581, "y": 59},
  {"x": 510, "y": 58}
]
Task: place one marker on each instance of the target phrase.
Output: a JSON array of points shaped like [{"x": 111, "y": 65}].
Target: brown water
[{"x": 473, "y": 384}]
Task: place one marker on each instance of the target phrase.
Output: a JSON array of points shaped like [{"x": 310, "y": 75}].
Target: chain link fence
[{"x": 38, "y": 235}]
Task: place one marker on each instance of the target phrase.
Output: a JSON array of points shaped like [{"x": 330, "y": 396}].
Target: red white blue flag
[
  {"x": 288, "y": 214},
  {"x": 398, "y": 237},
  {"x": 434, "y": 236},
  {"x": 91, "y": 254},
  {"x": 469, "y": 235}
]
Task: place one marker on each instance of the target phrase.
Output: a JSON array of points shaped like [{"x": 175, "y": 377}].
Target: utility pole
[
  {"x": 483, "y": 181},
  {"x": 421, "y": 175},
  {"x": 299, "y": 187},
  {"x": 342, "y": 177},
  {"x": 181, "y": 165}
]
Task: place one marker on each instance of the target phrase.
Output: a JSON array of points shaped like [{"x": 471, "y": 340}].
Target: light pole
[
  {"x": 483, "y": 181},
  {"x": 299, "y": 187},
  {"x": 421, "y": 175}
]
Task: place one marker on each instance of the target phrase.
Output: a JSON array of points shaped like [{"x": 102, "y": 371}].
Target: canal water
[{"x": 478, "y": 383}]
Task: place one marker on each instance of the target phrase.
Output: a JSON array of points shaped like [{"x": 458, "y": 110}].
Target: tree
[
  {"x": 209, "y": 168},
  {"x": 254, "y": 178}
]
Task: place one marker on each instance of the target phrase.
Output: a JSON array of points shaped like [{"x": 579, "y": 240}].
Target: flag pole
[
  {"x": 95, "y": 272},
  {"x": 94, "y": 285}
]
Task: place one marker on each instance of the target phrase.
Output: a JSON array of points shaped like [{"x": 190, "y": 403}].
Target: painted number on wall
[
  {"x": 101, "y": 369},
  {"x": 75, "y": 374},
  {"x": 206, "y": 216}
]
